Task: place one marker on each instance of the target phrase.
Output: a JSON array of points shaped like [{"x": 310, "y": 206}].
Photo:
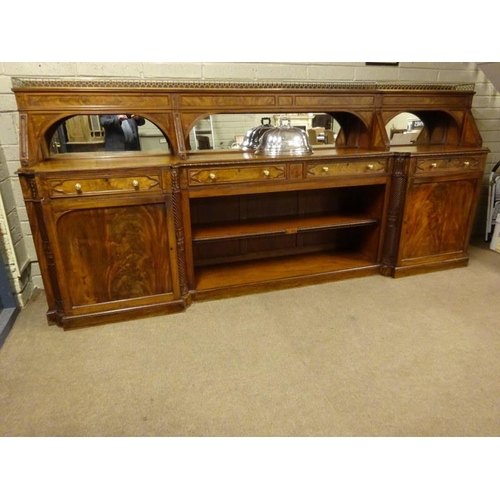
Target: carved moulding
[{"x": 218, "y": 84}]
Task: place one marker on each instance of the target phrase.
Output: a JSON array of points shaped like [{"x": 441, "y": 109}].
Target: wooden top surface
[{"x": 89, "y": 161}]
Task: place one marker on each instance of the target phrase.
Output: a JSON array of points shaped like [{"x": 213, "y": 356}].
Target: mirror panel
[
  {"x": 227, "y": 131},
  {"x": 404, "y": 129},
  {"x": 106, "y": 133}
]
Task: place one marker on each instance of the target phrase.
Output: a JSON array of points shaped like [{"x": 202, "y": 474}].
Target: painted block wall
[{"x": 17, "y": 243}]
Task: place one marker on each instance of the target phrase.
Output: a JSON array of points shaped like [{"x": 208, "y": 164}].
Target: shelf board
[
  {"x": 277, "y": 225},
  {"x": 279, "y": 268}
]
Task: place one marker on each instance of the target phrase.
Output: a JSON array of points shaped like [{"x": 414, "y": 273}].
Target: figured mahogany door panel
[
  {"x": 437, "y": 218},
  {"x": 115, "y": 253}
]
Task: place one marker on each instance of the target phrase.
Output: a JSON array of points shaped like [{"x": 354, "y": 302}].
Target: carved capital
[{"x": 174, "y": 174}]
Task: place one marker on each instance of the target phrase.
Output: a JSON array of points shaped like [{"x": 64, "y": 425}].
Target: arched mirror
[
  {"x": 404, "y": 129},
  {"x": 107, "y": 133},
  {"x": 227, "y": 131}
]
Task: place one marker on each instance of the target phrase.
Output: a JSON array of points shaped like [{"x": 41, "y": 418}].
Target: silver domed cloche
[
  {"x": 284, "y": 140},
  {"x": 251, "y": 140}
]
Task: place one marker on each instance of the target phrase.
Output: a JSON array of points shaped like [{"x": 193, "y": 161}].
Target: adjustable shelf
[{"x": 277, "y": 226}]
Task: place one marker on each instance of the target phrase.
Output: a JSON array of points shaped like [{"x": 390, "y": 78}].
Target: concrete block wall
[{"x": 17, "y": 244}]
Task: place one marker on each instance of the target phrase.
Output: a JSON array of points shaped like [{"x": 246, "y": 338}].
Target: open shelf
[
  {"x": 279, "y": 268},
  {"x": 279, "y": 225},
  {"x": 248, "y": 241}
]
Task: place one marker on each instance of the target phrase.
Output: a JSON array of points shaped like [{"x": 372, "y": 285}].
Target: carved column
[
  {"x": 45, "y": 254},
  {"x": 23, "y": 139},
  {"x": 179, "y": 232},
  {"x": 395, "y": 214}
]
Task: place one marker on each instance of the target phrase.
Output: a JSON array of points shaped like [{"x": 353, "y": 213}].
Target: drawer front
[
  {"x": 104, "y": 184},
  {"x": 266, "y": 173},
  {"x": 431, "y": 165},
  {"x": 346, "y": 168}
]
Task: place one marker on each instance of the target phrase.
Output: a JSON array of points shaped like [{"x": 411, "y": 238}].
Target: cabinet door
[
  {"x": 437, "y": 219},
  {"x": 114, "y": 254}
]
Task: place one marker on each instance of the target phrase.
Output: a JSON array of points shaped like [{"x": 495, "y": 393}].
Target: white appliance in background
[
  {"x": 492, "y": 222},
  {"x": 495, "y": 239}
]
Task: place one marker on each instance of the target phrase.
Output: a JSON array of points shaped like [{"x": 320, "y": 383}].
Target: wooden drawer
[
  {"x": 101, "y": 185},
  {"x": 266, "y": 173},
  {"x": 444, "y": 164},
  {"x": 346, "y": 168}
]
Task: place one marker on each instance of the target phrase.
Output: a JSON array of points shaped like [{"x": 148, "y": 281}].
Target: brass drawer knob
[
  {"x": 135, "y": 183},
  {"x": 78, "y": 186},
  {"x": 266, "y": 173},
  {"x": 434, "y": 165},
  {"x": 466, "y": 163},
  {"x": 370, "y": 166},
  {"x": 325, "y": 169},
  {"x": 212, "y": 176}
]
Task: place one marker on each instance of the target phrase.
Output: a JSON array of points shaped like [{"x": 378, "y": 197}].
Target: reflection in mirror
[
  {"x": 227, "y": 131},
  {"x": 102, "y": 133},
  {"x": 404, "y": 129}
]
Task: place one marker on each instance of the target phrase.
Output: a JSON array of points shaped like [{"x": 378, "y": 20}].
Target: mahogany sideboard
[{"x": 126, "y": 235}]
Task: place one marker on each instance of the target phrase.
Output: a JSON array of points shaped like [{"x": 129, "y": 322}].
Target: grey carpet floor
[{"x": 417, "y": 356}]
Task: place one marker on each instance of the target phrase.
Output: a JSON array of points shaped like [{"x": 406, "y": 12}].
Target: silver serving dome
[
  {"x": 251, "y": 139},
  {"x": 284, "y": 140}
]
